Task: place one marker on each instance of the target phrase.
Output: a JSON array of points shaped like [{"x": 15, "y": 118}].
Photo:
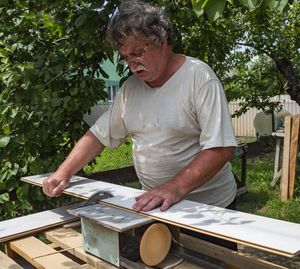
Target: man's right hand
[
  {"x": 85, "y": 150},
  {"x": 54, "y": 185}
]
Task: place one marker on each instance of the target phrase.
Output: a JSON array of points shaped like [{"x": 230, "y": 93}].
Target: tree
[
  {"x": 273, "y": 37},
  {"x": 50, "y": 55},
  {"x": 228, "y": 35}
]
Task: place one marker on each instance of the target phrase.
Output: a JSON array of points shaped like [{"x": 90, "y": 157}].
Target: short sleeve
[
  {"x": 213, "y": 116},
  {"x": 110, "y": 128}
]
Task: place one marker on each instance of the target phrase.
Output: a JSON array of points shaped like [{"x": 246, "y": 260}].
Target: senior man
[{"x": 175, "y": 111}]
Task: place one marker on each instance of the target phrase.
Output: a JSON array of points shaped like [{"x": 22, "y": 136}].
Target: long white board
[
  {"x": 25, "y": 225},
  {"x": 272, "y": 235}
]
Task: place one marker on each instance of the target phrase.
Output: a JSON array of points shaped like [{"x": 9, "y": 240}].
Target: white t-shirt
[{"x": 170, "y": 125}]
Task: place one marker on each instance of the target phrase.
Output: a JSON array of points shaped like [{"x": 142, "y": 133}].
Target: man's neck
[{"x": 175, "y": 61}]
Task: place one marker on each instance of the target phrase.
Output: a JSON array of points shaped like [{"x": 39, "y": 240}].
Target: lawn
[
  {"x": 112, "y": 159},
  {"x": 261, "y": 198}
]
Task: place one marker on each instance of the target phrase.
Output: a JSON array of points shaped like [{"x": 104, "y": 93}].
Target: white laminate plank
[
  {"x": 277, "y": 236},
  {"x": 84, "y": 187},
  {"x": 116, "y": 219},
  {"x": 14, "y": 228}
]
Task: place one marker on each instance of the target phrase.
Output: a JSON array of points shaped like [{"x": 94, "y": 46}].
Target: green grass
[
  {"x": 263, "y": 199},
  {"x": 112, "y": 159},
  {"x": 135, "y": 184}
]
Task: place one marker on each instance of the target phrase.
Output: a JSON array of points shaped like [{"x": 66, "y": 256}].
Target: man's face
[{"x": 144, "y": 59}]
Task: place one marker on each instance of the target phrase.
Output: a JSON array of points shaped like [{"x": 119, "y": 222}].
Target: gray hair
[{"x": 140, "y": 19}]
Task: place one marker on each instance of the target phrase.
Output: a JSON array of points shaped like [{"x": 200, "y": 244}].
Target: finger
[
  {"x": 139, "y": 197},
  {"x": 166, "y": 204},
  {"x": 141, "y": 202},
  {"x": 155, "y": 202},
  {"x": 48, "y": 186},
  {"x": 57, "y": 191}
]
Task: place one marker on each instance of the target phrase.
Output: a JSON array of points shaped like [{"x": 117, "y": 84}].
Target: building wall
[{"x": 112, "y": 83}]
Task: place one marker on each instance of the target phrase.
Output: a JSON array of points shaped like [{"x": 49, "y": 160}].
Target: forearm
[
  {"x": 85, "y": 150},
  {"x": 205, "y": 165}
]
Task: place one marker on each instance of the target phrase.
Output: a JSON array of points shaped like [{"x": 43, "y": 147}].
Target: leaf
[
  {"x": 56, "y": 101},
  {"x": 26, "y": 206},
  {"x": 251, "y": 4},
  {"x": 277, "y": 4},
  {"x": 6, "y": 129},
  {"x": 214, "y": 9},
  {"x": 7, "y": 77},
  {"x": 21, "y": 139},
  {"x": 81, "y": 20},
  {"x": 23, "y": 191},
  {"x": 198, "y": 7},
  {"x": 4, "y": 140},
  {"x": 83, "y": 84},
  {"x": 40, "y": 60},
  {"x": 4, "y": 197},
  {"x": 3, "y": 176},
  {"x": 5, "y": 60},
  {"x": 74, "y": 91}
]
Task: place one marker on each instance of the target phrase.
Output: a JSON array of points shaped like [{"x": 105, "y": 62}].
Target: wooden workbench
[{"x": 64, "y": 250}]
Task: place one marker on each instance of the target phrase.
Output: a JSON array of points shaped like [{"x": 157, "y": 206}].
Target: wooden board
[
  {"x": 272, "y": 235},
  {"x": 21, "y": 226},
  {"x": 68, "y": 240},
  {"x": 229, "y": 257},
  {"x": 284, "y": 181},
  {"x": 71, "y": 240},
  {"x": 41, "y": 255},
  {"x": 6, "y": 262},
  {"x": 293, "y": 154}
]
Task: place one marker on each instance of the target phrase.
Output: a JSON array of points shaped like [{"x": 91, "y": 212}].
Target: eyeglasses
[{"x": 139, "y": 59}]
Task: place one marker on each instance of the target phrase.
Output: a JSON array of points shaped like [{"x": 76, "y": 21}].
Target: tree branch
[
  {"x": 250, "y": 46},
  {"x": 62, "y": 73},
  {"x": 292, "y": 85},
  {"x": 61, "y": 39}
]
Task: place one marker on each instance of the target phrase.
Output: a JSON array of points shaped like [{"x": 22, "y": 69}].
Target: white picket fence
[{"x": 244, "y": 126}]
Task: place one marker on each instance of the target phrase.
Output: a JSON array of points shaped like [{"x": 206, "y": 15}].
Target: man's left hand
[{"x": 164, "y": 195}]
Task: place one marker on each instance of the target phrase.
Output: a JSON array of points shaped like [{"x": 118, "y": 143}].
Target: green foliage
[
  {"x": 267, "y": 41},
  {"x": 255, "y": 53},
  {"x": 213, "y": 9},
  {"x": 50, "y": 55}
]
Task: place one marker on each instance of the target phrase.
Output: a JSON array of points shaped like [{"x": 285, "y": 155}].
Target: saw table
[
  {"x": 65, "y": 249},
  {"x": 114, "y": 219},
  {"x": 275, "y": 236}
]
